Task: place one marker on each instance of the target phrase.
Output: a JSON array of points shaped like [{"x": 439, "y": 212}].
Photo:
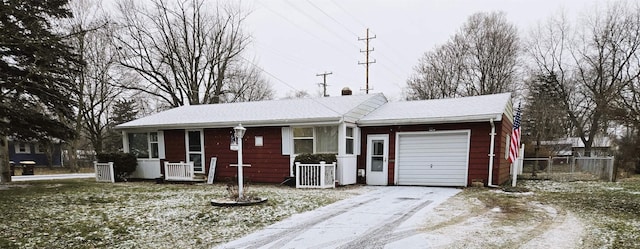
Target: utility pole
[
  {"x": 324, "y": 82},
  {"x": 367, "y": 61}
]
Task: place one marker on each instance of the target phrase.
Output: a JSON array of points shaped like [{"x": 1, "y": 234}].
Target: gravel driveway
[{"x": 389, "y": 216}]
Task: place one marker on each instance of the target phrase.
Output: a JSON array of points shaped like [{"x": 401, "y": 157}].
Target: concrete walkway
[
  {"x": 51, "y": 177},
  {"x": 386, "y": 217}
]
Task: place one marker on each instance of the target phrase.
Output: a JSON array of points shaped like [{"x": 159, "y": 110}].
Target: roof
[
  {"x": 263, "y": 113},
  {"x": 466, "y": 109},
  {"x": 576, "y": 142}
]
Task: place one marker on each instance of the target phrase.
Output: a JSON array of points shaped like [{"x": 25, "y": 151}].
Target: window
[
  {"x": 349, "y": 143},
  {"x": 153, "y": 144},
  {"x": 326, "y": 139},
  {"x": 22, "y": 148},
  {"x": 39, "y": 149},
  {"x": 302, "y": 140},
  {"x": 144, "y": 145},
  {"x": 322, "y": 139}
]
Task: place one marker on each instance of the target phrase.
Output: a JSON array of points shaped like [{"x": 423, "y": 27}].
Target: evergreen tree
[
  {"x": 36, "y": 92},
  {"x": 122, "y": 111}
]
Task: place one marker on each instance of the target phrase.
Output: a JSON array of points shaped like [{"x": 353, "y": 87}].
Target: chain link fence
[{"x": 570, "y": 168}]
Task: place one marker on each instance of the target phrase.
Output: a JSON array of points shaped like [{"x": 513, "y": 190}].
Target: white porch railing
[
  {"x": 104, "y": 172},
  {"x": 315, "y": 175},
  {"x": 178, "y": 171}
]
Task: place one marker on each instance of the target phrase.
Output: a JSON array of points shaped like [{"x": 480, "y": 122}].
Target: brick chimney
[{"x": 346, "y": 91}]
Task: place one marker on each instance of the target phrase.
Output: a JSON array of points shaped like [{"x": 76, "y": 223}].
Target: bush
[
  {"x": 316, "y": 158},
  {"x": 124, "y": 164}
]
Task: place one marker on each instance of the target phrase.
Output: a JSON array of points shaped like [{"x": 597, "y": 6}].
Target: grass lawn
[
  {"x": 612, "y": 209},
  {"x": 85, "y": 214},
  {"x": 609, "y": 210}
]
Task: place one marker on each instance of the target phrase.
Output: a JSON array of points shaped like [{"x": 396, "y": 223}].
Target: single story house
[{"x": 445, "y": 142}]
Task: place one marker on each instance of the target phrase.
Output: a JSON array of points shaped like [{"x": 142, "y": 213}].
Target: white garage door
[{"x": 433, "y": 158}]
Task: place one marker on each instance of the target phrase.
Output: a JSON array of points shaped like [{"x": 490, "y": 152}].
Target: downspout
[{"x": 491, "y": 153}]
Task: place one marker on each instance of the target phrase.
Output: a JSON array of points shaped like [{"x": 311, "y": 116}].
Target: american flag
[{"x": 514, "y": 147}]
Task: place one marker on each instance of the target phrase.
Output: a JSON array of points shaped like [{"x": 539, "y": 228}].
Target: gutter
[
  {"x": 492, "y": 153},
  {"x": 231, "y": 124}
]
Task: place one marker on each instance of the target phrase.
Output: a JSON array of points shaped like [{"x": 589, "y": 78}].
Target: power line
[
  {"x": 331, "y": 17},
  {"x": 287, "y": 84},
  {"x": 319, "y": 23},
  {"x": 383, "y": 41},
  {"x": 299, "y": 27}
]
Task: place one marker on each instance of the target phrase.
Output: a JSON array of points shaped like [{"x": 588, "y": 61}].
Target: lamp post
[{"x": 239, "y": 132}]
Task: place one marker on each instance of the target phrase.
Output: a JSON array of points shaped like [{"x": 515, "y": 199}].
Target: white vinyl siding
[{"x": 433, "y": 158}]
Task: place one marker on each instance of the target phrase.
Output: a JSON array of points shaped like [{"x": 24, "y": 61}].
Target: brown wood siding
[
  {"x": 478, "y": 147},
  {"x": 268, "y": 165},
  {"x": 502, "y": 170}
]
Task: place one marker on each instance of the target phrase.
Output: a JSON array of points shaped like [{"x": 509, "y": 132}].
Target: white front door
[
  {"x": 195, "y": 149},
  {"x": 377, "y": 159}
]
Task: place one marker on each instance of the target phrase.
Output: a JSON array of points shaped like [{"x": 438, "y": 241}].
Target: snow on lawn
[
  {"x": 610, "y": 208},
  {"x": 85, "y": 214}
]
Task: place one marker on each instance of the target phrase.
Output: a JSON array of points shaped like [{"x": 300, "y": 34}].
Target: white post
[
  {"x": 111, "y": 173},
  {"x": 240, "y": 185},
  {"x": 322, "y": 171},
  {"x": 515, "y": 165},
  {"x": 239, "y": 133},
  {"x": 298, "y": 174}
]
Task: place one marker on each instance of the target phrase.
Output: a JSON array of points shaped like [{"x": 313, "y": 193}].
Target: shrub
[
  {"x": 316, "y": 158},
  {"x": 124, "y": 164}
]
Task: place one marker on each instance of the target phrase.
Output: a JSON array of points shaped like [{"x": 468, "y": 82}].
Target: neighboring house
[
  {"x": 573, "y": 146},
  {"x": 433, "y": 142},
  {"x": 33, "y": 151}
]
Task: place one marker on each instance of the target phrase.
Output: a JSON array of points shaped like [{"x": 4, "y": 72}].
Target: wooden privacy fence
[
  {"x": 320, "y": 175},
  {"x": 178, "y": 171},
  {"x": 104, "y": 172}
]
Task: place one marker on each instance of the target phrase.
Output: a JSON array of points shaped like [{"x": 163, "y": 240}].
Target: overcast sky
[{"x": 293, "y": 40}]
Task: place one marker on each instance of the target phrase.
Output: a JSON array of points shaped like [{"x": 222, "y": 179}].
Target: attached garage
[
  {"x": 432, "y": 158},
  {"x": 441, "y": 142}
]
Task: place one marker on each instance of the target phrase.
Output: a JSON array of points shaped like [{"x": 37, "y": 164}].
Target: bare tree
[
  {"x": 186, "y": 51},
  {"x": 91, "y": 36},
  {"x": 482, "y": 58},
  {"x": 590, "y": 64},
  {"x": 437, "y": 75},
  {"x": 247, "y": 84},
  {"x": 297, "y": 94}
]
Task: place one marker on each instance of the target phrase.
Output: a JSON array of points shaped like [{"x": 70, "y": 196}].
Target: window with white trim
[
  {"x": 349, "y": 141},
  {"x": 22, "y": 148},
  {"x": 303, "y": 140},
  {"x": 322, "y": 139},
  {"x": 143, "y": 145}
]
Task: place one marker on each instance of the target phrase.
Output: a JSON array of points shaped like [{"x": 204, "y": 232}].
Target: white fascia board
[{"x": 441, "y": 120}]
